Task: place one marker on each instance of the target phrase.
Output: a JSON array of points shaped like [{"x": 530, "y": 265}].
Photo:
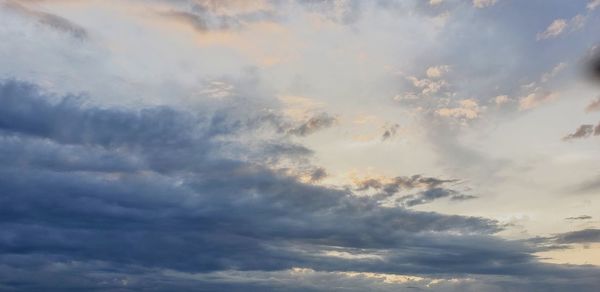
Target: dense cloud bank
[{"x": 127, "y": 199}]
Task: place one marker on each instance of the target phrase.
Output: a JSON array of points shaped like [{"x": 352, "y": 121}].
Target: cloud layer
[{"x": 89, "y": 187}]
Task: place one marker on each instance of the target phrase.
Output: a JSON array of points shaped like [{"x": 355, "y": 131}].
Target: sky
[{"x": 299, "y": 145}]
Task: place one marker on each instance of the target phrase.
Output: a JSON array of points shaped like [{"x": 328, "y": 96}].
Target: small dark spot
[{"x": 593, "y": 66}]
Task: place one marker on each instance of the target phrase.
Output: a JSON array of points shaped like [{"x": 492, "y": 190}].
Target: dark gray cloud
[
  {"x": 582, "y": 217},
  {"x": 53, "y": 21},
  {"x": 583, "y": 131},
  {"x": 390, "y": 131},
  {"x": 580, "y": 236},
  {"x": 313, "y": 124},
  {"x": 318, "y": 174},
  {"x": 593, "y": 64},
  {"x": 402, "y": 183},
  {"x": 116, "y": 199},
  {"x": 431, "y": 189},
  {"x": 431, "y": 195}
]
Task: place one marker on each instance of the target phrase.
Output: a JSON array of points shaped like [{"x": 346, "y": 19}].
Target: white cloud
[
  {"x": 483, "y": 3},
  {"x": 468, "y": 109},
  {"x": 560, "y": 26},
  {"x": 557, "y": 69},
  {"x": 557, "y": 27},
  {"x": 437, "y": 71},
  {"x": 435, "y": 2},
  {"x": 577, "y": 22},
  {"x": 593, "y": 4},
  {"x": 501, "y": 99},
  {"x": 535, "y": 99},
  {"x": 428, "y": 86}
]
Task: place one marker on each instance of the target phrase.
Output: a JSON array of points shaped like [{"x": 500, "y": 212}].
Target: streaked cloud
[
  {"x": 49, "y": 20},
  {"x": 553, "y": 30}
]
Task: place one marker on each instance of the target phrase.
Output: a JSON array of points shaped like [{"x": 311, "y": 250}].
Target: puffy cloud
[
  {"x": 437, "y": 71},
  {"x": 468, "y": 109},
  {"x": 501, "y": 99}
]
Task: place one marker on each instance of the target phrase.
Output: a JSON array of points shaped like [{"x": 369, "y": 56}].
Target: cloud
[
  {"x": 341, "y": 11},
  {"x": 577, "y": 22},
  {"x": 390, "y": 131},
  {"x": 429, "y": 189},
  {"x": 393, "y": 185},
  {"x": 555, "y": 71},
  {"x": 155, "y": 188},
  {"x": 432, "y": 194},
  {"x": 580, "y": 236},
  {"x": 194, "y": 20},
  {"x": 435, "y": 2},
  {"x": 593, "y": 106},
  {"x": 468, "y": 109},
  {"x": 428, "y": 86},
  {"x": 437, "y": 71},
  {"x": 483, "y": 3},
  {"x": 582, "y": 217},
  {"x": 583, "y": 131},
  {"x": 593, "y": 4},
  {"x": 313, "y": 125},
  {"x": 501, "y": 99},
  {"x": 538, "y": 97},
  {"x": 553, "y": 30},
  {"x": 560, "y": 26},
  {"x": 52, "y": 21}
]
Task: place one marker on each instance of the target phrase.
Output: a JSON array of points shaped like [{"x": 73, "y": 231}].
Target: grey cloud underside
[
  {"x": 92, "y": 197},
  {"x": 564, "y": 240},
  {"x": 580, "y": 236}
]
